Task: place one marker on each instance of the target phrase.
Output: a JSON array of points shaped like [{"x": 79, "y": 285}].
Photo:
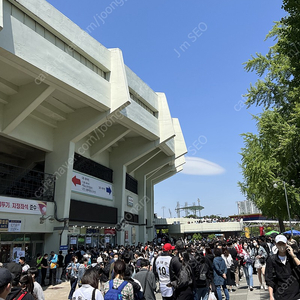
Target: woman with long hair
[
  {"x": 90, "y": 282},
  {"x": 22, "y": 288},
  {"x": 247, "y": 265},
  {"x": 230, "y": 271},
  {"x": 259, "y": 254},
  {"x": 118, "y": 281}
]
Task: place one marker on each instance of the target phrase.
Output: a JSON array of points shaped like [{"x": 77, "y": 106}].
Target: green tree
[
  {"x": 271, "y": 156},
  {"x": 273, "y": 153},
  {"x": 197, "y": 236},
  {"x": 211, "y": 236}
]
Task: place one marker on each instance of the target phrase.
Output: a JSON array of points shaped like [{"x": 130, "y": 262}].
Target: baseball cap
[
  {"x": 168, "y": 247},
  {"x": 280, "y": 238},
  {"x": 5, "y": 277}
]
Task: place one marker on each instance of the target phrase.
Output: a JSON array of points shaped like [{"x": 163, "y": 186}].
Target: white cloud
[{"x": 200, "y": 166}]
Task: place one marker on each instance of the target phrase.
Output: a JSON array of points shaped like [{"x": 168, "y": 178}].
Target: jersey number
[{"x": 162, "y": 270}]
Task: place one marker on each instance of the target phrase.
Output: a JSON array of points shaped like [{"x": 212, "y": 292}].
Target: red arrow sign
[{"x": 76, "y": 180}]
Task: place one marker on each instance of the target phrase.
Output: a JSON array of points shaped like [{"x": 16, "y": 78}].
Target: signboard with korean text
[
  {"x": 88, "y": 240},
  {"x": 14, "y": 225},
  {"x": 129, "y": 201},
  {"x": 3, "y": 225},
  {"x": 88, "y": 185},
  {"x": 22, "y": 206}
]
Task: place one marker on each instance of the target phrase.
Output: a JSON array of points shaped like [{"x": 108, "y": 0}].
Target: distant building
[{"x": 247, "y": 207}]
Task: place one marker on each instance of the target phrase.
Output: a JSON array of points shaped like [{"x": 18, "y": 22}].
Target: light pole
[{"x": 287, "y": 204}]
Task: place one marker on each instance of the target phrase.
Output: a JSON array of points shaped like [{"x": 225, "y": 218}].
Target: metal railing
[{"x": 25, "y": 183}]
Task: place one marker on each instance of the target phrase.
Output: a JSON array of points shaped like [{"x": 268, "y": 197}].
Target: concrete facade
[{"x": 62, "y": 93}]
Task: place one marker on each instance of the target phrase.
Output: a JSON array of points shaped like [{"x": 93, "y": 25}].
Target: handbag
[
  {"x": 262, "y": 260},
  {"x": 232, "y": 268},
  {"x": 211, "y": 296}
]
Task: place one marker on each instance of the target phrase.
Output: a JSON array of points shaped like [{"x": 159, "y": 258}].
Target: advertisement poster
[
  {"x": 88, "y": 240},
  {"x": 17, "y": 253},
  {"x": 133, "y": 235}
]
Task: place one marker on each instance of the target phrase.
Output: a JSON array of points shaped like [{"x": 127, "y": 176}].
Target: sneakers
[
  {"x": 265, "y": 288},
  {"x": 261, "y": 287},
  {"x": 251, "y": 288}
]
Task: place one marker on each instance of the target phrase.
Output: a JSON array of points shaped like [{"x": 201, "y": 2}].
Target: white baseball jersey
[{"x": 163, "y": 269}]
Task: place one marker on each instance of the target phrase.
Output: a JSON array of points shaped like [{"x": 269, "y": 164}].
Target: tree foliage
[{"x": 274, "y": 153}]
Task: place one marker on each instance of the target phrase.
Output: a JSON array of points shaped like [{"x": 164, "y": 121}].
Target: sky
[{"x": 193, "y": 51}]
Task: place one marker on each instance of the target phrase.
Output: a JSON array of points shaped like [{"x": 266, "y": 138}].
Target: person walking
[
  {"x": 220, "y": 272},
  {"x": 230, "y": 280},
  {"x": 146, "y": 279},
  {"x": 37, "y": 289},
  {"x": 89, "y": 288},
  {"x": 282, "y": 272},
  {"x": 259, "y": 254},
  {"x": 118, "y": 282},
  {"x": 161, "y": 269},
  {"x": 72, "y": 270},
  {"x": 247, "y": 265}
]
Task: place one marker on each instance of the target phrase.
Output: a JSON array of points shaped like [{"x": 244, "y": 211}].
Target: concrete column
[
  {"x": 119, "y": 180},
  {"x": 60, "y": 163},
  {"x": 150, "y": 210}
]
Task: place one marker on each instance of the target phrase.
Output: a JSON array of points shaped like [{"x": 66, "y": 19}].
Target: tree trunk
[{"x": 281, "y": 225}]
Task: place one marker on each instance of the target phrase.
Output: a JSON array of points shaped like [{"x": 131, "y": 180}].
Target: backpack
[
  {"x": 114, "y": 294},
  {"x": 20, "y": 295},
  {"x": 185, "y": 277},
  {"x": 200, "y": 274}
]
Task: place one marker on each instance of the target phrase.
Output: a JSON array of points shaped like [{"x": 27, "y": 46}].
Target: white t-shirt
[
  {"x": 163, "y": 270},
  {"x": 38, "y": 291},
  {"x": 283, "y": 259},
  {"x": 86, "y": 292}
]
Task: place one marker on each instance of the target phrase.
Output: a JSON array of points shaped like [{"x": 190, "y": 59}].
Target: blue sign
[{"x": 63, "y": 248}]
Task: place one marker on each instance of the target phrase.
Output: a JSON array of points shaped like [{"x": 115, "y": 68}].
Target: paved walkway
[{"x": 61, "y": 292}]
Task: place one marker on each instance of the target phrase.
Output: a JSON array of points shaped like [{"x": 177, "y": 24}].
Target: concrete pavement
[{"x": 61, "y": 292}]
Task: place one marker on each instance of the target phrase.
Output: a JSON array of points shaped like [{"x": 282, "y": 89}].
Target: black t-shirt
[{"x": 44, "y": 262}]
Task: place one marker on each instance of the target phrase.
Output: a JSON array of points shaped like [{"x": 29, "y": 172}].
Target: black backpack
[
  {"x": 185, "y": 277},
  {"x": 201, "y": 273}
]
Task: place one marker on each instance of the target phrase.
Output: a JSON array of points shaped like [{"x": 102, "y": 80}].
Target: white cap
[
  {"x": 99, "y": 260},
  {"x": 280, "y": 238}
]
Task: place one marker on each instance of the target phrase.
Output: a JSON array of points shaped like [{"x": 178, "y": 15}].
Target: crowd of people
[
  {"x": 197, "y": 270},
  {"x": 216, "y": 220}
]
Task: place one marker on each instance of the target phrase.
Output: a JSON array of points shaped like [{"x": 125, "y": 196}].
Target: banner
[
  {"x": 110, "y": 231},
  {"x": 22, "y": 206},
  {"x": 88, "y": 185},
  {"x": 247, "y": 232},
  {"x": 261, "y": 230}
]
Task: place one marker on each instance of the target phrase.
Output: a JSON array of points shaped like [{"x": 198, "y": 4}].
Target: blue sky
[{"x": 193, "y": 51}]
